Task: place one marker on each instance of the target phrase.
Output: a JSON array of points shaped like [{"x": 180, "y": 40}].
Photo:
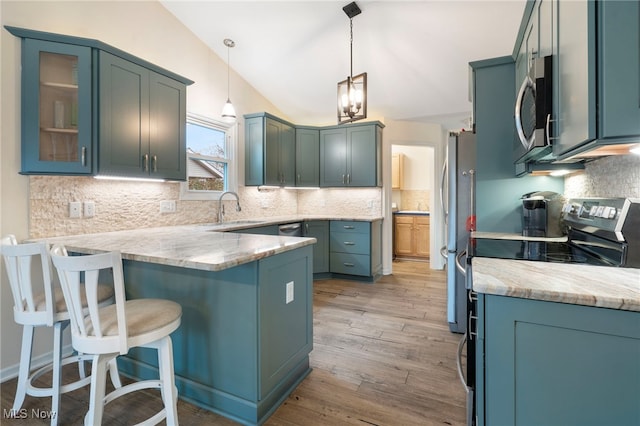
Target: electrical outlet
[
  {"x": 264, "y": 204},
  {"x": 168, "y": 206},
  {"x": 370, "y": 204},
  {"x": 89, "y": 209},
  {"x": 289, "y": 296},
  {"x": 75, "y": 209}
]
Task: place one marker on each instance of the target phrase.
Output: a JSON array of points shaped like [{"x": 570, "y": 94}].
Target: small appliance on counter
[{"x": 542, "y": 214}]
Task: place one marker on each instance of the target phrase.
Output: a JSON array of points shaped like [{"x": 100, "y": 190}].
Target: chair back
[
  {"x": 103, "y": 335},
  {"x": 29, "y": 305}
]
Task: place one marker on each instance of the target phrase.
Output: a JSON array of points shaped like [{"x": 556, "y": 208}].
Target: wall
[
  {"x": 418, "y": 177},
  {"x": 617, "y": 176}
]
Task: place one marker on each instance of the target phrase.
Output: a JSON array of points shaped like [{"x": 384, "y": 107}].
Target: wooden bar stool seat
[{"x": 112, "y": 330}]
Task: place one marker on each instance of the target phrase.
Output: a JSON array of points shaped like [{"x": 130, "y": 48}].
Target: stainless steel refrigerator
[{"x": 458, "y": 187}]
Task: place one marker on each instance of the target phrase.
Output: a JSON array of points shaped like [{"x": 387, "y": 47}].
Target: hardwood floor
[{"x": 383, "y": 355}]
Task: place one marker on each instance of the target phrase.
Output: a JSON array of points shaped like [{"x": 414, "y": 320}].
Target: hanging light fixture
[
  {"x": 228, "y": 111},
  {"x": 352, "y": 92}
]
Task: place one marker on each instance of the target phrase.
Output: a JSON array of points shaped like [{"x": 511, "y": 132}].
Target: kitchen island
[
  {"x": 247, "y": 327},
  {"x": 556, "y": 343}
]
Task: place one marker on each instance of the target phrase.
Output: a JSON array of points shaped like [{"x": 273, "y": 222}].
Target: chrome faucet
[{"x": 221, "y": 206}]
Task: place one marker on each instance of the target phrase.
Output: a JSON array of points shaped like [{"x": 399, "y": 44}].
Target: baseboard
[{"x": 11, "y": 372}]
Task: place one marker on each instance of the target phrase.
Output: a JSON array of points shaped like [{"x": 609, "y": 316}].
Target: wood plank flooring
[{"x": 383, "y": 355}]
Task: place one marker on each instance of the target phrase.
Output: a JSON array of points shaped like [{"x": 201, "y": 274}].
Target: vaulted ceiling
[{"x": 416, "y": 53}]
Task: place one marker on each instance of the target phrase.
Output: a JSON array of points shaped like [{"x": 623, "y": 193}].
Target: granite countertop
[
  {"x": 600, "y": 286},
  {"x": 203, "y": 246},
  {"x": 189, "y": 246}
]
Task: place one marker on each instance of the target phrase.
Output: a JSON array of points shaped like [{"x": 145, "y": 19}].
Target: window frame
[{"x": 231, "y": 149}]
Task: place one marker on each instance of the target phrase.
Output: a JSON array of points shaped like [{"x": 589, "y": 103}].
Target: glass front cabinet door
[{"x": 56, "y": 108}]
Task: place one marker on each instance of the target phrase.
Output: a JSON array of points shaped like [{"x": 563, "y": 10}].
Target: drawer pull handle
[
  {"x": 349, "y": 227},
  {"x": 349, "y": 243},
  {"x": 351, "y": 265}
]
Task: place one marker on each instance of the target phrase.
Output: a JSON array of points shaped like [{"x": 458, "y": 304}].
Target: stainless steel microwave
[{"x": 533, "y": 112}]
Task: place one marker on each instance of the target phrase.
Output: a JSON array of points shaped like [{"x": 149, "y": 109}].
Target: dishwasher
[{"x": 290, "y": 229}]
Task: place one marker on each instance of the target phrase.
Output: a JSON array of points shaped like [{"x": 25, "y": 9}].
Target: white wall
[{"x": 418, "y": 166}]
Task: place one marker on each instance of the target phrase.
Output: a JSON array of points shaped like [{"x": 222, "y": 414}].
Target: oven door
[{"x": 533, "y": 113}]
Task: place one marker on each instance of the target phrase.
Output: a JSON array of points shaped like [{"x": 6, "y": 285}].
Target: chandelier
[{"x": 352, "y": 92}]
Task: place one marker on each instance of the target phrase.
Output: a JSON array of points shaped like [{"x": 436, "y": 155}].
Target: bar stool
[
  {"x": 38, "y": 304},
  {"x": 111, "y": 331}
]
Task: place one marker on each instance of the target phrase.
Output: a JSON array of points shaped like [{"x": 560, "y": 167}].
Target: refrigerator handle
[{"x": 442, "y": 180}]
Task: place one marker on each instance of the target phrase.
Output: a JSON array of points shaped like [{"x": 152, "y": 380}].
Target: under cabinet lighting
[
  {"x": 635, "y": 150},
  {"x": 562, "y": 172},
  {"x": 131, "y": 179}
]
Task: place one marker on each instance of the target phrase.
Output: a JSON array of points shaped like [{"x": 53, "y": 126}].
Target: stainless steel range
[
  {"x": 601, "y": 231},
  {"x": 607, "y": 228}
]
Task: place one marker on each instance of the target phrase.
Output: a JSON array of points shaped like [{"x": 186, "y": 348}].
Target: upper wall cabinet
[
  {"x": 153, "y": 146},
  {"x": 351, "y": 156},
  {"x": 307, "y": 157},
  {"x": 56, "y": 108},
  {"x": 278, "y": 153},
  {"x": 89, "y": 108},
  {"x": 269, "y": 151}
]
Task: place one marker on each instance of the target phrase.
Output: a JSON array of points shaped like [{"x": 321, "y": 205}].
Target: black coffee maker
[{"x": 542, "y": 214}]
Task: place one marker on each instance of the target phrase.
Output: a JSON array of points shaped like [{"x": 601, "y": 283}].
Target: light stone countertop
[
  {"x": 189, "y": 246},
  {"x": 198, "y": 246},
  {"x": 600, "y": 286}
]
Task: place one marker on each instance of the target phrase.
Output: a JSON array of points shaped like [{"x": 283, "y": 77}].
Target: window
[{"x": 211, "y": 164}]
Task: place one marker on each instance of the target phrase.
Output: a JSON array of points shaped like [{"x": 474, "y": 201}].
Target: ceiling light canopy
[
  {"x": 352, "y": 92},
  {"x": 228, "y": 111}
]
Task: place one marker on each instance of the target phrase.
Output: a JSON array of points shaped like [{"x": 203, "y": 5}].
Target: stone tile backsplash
[
  {"x": 121, "y": 205},
  {"x": 615, "y": 176}
]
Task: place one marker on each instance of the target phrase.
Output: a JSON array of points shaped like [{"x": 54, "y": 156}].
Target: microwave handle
[{"x": 527, "y": 143}]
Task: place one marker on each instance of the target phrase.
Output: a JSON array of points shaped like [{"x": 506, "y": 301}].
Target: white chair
[
  {"x": 38, "y": 303},
  {"x": 111, "y": 331}
]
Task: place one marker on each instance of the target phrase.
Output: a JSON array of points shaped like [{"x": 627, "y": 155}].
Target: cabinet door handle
[
  {"x": 348, "y": 177},
  {"x": 145, "y": 160},
  {"x": 343, "y": 181},
  {"x": 350, "y": 265},
  {"x": 349, "y": 243},
  {"x": 306, "y": 228},
  {"x": 155, "y": 163},
  {"x": 83, "y": 156}
]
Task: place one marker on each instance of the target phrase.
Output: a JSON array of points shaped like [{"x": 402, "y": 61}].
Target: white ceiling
[{"x": 415, "y": 53}]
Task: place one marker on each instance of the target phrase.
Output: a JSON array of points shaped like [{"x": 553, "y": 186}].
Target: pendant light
[
  {"x": 352, "y": 92},
  {"x": 228, "y": 111}
]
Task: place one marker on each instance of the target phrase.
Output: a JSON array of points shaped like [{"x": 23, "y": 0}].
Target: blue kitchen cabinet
[
  {"x": 246, "y": 332},
  {"x": 355, "y": 248},
  {"x": 547, "y": 363},
  {"x": 90, "y": 108},
  {"x": 56, "y": 108},
  {"x": 153, "y": 146},
  {"x": 269, "y": 151},
  {"x": 351, "y": 156},
  {"x": 597, "y": 77},
  {"x": 498, "y": 191},
  {"x": 307, "y": 156},
  {"x": 319, "y": 229}
]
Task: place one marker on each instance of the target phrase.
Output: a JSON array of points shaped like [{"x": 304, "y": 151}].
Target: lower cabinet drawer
[
  {"x": 350, "y": 242},
  {"x": 351, "y": 264}
]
